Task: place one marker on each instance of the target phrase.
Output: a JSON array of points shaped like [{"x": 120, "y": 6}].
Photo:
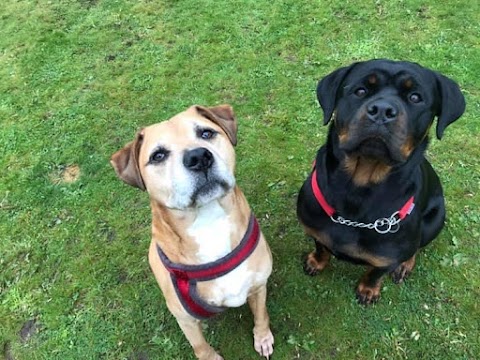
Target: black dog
[{"x": 372, "y": 197}]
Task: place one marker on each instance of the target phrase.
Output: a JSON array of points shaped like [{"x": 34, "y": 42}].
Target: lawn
[{"x": 79, "y": 77}]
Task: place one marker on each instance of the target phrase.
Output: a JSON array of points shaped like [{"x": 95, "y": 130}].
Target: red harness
[
  {"x": 185, "y": 277},
  {"x": 382, "y": 226}
]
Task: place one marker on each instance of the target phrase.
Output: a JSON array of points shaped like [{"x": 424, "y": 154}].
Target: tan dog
[{"x": 207, "y": 252}]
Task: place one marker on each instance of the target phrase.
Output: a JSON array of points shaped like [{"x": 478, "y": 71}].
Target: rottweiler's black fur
[{"x": 380, "y": 112}]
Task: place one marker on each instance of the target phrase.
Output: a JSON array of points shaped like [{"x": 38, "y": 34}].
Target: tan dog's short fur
[{"x": 196, "y": 221}]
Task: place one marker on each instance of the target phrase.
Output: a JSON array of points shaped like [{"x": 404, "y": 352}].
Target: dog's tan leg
[
  {"x": 316, "y": 261},
  {"x": 368, "y": 289},
  {"x": 403, "y": 270},
  {"x": 262, "y": 336},
  {"x": 193, "y": 332}
]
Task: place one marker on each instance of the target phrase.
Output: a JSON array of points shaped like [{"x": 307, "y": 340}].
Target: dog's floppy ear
[
  {"x": 223, "y": 116},
  {"x": 327, "y": 90},
  {"x": 125, "y": 162},
  {"x": 452, "y": 103}
]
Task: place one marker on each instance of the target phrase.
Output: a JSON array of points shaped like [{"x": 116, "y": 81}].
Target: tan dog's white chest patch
[
  {"x": 232, "y": 289},
  {"x": 211, "y": 231}
]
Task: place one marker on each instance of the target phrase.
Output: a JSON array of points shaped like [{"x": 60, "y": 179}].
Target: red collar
[
  {"x": 185, "y": 277},
  {"x": 382, "y": 226}
]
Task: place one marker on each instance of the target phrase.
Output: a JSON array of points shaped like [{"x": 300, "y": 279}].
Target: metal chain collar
[{"x": 381, "y": 226}]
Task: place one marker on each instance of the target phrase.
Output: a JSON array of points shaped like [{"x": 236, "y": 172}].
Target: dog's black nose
[
  {"x": 382, "y": 111},
  {"x": 199, "y": 159}
]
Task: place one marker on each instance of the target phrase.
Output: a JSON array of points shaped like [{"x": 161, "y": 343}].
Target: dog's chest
[{"x": 211, "y": 231}]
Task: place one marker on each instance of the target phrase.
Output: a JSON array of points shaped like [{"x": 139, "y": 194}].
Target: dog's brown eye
[
  {"x": 158, "y": 156},
  {"x": 207, "y": 134},
  {"x": 415, "y": 98},
  {"x": 361, "y": 92}
]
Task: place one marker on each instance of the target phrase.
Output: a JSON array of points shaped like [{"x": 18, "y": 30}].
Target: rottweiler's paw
[
  {"x": 367, "y": 295},
  {"x": 403, "y": 270},
  {"x": 400, "y": 274},
  {"x": 312, "y": 265}
]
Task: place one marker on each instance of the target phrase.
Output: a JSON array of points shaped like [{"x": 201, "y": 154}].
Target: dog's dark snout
[
  {"x": 199, "y": 159},
  {"x": 382, "y": 111}
]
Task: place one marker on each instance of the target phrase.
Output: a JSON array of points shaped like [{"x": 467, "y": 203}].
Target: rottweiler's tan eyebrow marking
[
  {"x": 408, "y": 83},
  {"x": 372, "y": 79}
]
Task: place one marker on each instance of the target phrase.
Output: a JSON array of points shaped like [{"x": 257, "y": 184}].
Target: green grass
[{"x": 78, "y": 78}]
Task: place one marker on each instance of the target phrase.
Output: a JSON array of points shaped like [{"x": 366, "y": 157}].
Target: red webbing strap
[
  {"x": 230, "y": 263},
  {"x": 183, "y": 288}
]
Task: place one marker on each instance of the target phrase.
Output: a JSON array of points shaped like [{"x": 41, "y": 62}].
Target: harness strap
[
  {"x": 187, "y": 293},
  {"x": 185, "y": 277}
]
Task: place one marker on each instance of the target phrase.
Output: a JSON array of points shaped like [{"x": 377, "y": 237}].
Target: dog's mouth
[
  {"x": 209, "y": 189},
  {"x": 209, "y": 186},
  {"x": 379, "y": 140},
  {"x": 376, "y": 148}
]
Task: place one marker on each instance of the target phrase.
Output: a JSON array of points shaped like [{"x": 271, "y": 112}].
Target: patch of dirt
[
  {"x": 65, "y": 174},
  {"x": 138, "y": 355},
  {"x": 7, "y": 351},
  {"x": 71, "y": 174},
  {"x": 28, "y": 330}
]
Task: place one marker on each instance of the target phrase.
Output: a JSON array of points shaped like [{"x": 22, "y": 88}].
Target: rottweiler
[{"x": 372, "y": 197}]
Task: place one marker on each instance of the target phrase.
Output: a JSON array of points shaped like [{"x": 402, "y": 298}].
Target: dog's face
[
  {"x": 383, "y": 109},
  {"x": 185, "y": 162}
]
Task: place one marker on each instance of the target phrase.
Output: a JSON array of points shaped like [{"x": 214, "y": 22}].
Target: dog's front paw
[
  {"x": 206, "y": 352},
  {"x": 367, "y": 295},
  {"x": 403, "y": 270},
  {"x": 264, "y": 345},
  {"x": 214, "y": 356},
  {"x": 400, "y": 274},
  {"x": 312, "y": 264}
]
